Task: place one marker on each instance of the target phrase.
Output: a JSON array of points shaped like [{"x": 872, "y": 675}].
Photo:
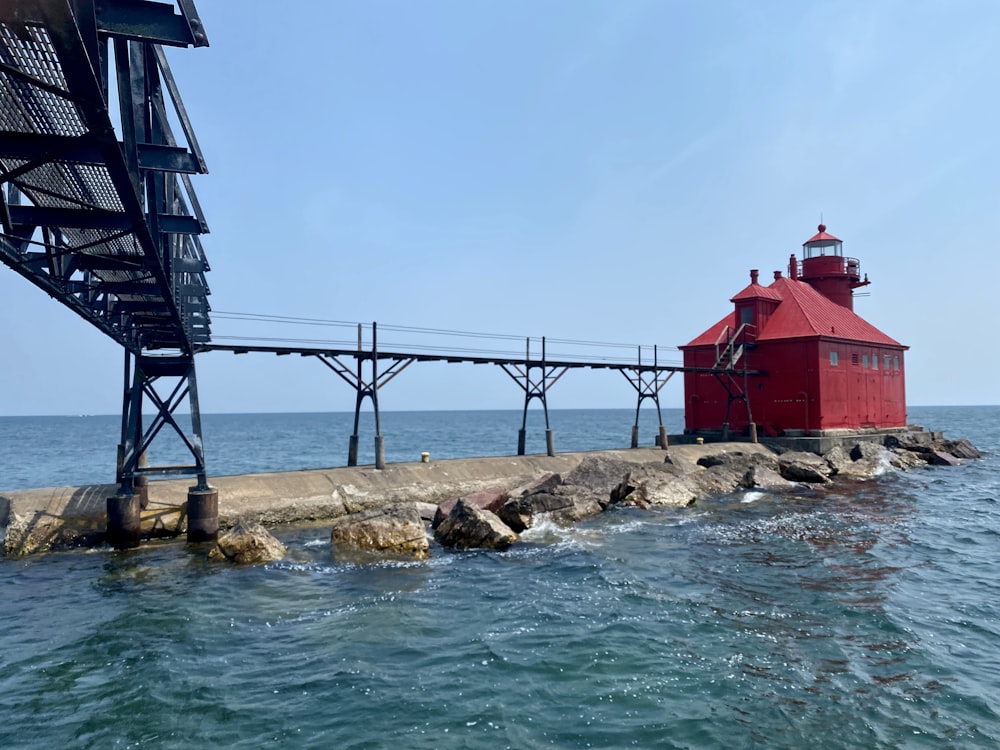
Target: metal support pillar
[
  {"x": 727, "y": 376},
  {"x": 143, "y": 373},
  {"x": 647, "y": 383},
  {"x": 535, "y": 387},
  {"x": 202, "y": 514},
  {"x": 366, "y": 389},
  {"x": 124, "y": 521}
]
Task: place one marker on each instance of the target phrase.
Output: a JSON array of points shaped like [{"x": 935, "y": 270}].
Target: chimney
[
  {"x": 793, "y": 267},
  {"x": 753, "y": 275},
  {"x": 777, "y": 275}
]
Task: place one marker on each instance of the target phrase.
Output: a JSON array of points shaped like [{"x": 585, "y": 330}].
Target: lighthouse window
[
  {"x": 864, "y": 361},
  {"x": 854, "y": 358},
  {"x": 885, "y": 361},
  {"x": 895, "y": 364},
  {"x": 746, "y": 315},
  {"x": 834, "y": 358},
  {"x": 874, "y": 361}
]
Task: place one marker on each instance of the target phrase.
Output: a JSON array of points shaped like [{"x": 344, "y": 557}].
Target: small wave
[
  {"x": 752, "y": 496},
  {"x": 884, "y": 465}
]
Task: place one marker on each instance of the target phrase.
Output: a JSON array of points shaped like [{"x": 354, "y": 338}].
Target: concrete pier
[{"x": 41, "y": 519}]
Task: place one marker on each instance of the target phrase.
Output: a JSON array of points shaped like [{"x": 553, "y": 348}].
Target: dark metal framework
[
  {"x": 647, "y": 385},
  {"x": 534, "y": 387},
  {"x": 109, "y": 227},
  {"x": 730, "y": 351},
  {"x": 535, "y": 375}
]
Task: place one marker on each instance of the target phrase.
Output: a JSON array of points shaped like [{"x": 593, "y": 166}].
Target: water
[{"x": 862, "y": 617}]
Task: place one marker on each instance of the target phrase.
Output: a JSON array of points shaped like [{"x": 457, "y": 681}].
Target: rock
[
  {"x": 491, "y": 500},
  {"x": 960, "y": 448},
  {"x": 729, "y": 470},
  {"x": 905, "y": 460},
  {"x": 940, "y": 458},
  {"x": 867, "y": 451},
  {"x": 519, "y": 512},
  {"x": 394, "y": 529},
  {"x": 468, "y": 526},
  {"x": 839, "y": 459},
  {"x": 585, "y": 503},
  {"x": 654, "y": 484},
  {"x": 601, "y": 474},
  {"x": 545, "y": 483},
  {"x": 863, "y": 461},
  {"x": 767, "y": 478},
  {"x": 247, "y": 543},
  {"x": 427, "y": 511},
  {"x": 799, "y": 466}
]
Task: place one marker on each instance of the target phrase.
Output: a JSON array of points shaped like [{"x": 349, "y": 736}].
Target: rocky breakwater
[{"x": 495, "y": 518}]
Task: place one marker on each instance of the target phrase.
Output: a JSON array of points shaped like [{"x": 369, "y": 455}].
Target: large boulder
[
  {"x": 394, "y": 529},
  {"x": 545, "y": 483},
  {"x": 940, "y": 458},
  {"x": 248, "y": 543},
  {"x": 559, "y": 504},
  {"x": 800, "y": 466},
  {"x": 644, "y": 485},
  {"x": 960, "y": 448},
  {"x": 491, "y": 500},
  {"x": 599, "y": 473},
  {"x": 862, "y": 461},
  {"x": 767, "y": 478},
  {"x": 468, "y": 526},
  {"x": 727, "y": 471},
  {"x": 904, "y": 460}
]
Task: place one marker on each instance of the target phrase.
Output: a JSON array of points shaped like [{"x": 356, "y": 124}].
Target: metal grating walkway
[{"x": 97, "y": 209}]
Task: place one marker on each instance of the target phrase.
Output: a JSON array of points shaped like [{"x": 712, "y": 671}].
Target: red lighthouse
[{"x": 793, "y": 358}]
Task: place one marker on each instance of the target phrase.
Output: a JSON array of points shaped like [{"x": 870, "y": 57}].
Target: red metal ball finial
[{"x": 822, "y": 227}]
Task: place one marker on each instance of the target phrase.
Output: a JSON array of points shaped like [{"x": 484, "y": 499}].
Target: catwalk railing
[{"x": 367, "y": 366}]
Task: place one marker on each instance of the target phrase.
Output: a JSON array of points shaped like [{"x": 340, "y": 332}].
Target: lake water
[{"x": 865, "y": 616}]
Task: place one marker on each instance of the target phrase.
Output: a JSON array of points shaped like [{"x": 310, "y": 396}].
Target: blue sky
[{"x": 602, "y": 171}]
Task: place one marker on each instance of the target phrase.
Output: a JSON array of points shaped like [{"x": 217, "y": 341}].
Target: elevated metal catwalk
[
  {"x": 96, "y": 203},
  {"x": 535, "y": 374}
]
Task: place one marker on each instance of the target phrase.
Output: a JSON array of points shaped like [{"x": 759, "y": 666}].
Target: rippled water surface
[{"x": 865, "y": 616}]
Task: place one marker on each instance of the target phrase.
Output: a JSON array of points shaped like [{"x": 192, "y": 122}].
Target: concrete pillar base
[
  {"x": 124, "y": 522},
  {"x": 753, "y": 432},
  {"x": 635, "y": 436},
  {"x": 664, "y": 442},
  {"x": 550, "y": 443},
  {"x": 202, "y": 514},
  {"x": 520, "y": 442},
  {"x": 379, "y": 452},
  {"x": 352, "y": 451}
]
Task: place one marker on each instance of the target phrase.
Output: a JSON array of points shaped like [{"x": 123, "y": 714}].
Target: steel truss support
[
  {"x": 647, "y": 384},
  {"x": 535, "y": 387},
  {"x": 143, "y": 376},
  {"x": 736, "y": 349},
  {"x": 366, "y": 388}
]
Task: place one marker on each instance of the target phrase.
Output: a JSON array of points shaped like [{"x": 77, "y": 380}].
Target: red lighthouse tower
[
  {"x": 794, "y": 358},
  {"x": 825, "y": 268}
]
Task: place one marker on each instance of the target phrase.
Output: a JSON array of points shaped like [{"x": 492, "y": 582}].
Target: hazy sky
[{"x": 606, "y": 171}]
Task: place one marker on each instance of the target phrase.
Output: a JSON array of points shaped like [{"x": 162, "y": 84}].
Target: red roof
[
  {"x": 803, "y": 313},
  {"x": 822, "y": 236},
  {"x": 756, "y": 291}
]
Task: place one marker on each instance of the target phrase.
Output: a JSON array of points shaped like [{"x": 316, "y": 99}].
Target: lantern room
[{"x": 825, "y": 268}]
